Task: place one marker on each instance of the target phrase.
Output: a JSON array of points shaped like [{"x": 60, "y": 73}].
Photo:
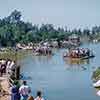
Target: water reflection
[
  {"x": 42, "y": 59},
  {"x": 62, "y": 78},
  {"x": 76, "y": 61}
]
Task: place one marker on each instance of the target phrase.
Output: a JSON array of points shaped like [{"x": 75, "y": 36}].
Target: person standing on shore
[
  {"x": 15, "y": 92},
  {"x": 24, "y": 91},
  {"x": 39, "y": 96}
]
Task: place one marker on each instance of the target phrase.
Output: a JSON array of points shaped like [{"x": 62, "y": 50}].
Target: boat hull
[{"x": 86, "y": 57}]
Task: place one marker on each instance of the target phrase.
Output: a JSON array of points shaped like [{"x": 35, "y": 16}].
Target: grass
[
  {"x": 13, "y": 55},
  {"x": 96, "y": 74}
]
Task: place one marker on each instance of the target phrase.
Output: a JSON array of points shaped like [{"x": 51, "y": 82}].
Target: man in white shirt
[{"x": 24, "y": 91}]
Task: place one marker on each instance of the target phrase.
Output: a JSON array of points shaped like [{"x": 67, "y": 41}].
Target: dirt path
[{"x": 5, "y": 86}]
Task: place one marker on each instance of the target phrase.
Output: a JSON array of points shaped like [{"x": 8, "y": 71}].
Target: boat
[
  {"x": 42, "y": 50},
  {"x": 87, "y": 57},
  {"x": 79, "y": 53}
]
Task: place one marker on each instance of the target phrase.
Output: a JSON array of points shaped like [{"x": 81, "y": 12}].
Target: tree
[
  {"x": 6, "y": 36},
  {"x": 15, "y": 16},
  {"x": 86, "y": 32},
  {"x": 96, "y": 29},
  {"x": 13, "y": 30}
]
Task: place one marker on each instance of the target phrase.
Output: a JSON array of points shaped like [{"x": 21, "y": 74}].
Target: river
[{"x": 58, "y": 78}]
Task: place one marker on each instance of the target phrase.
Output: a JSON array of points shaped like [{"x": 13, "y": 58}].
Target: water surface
[{"x": 59, "y": 79}]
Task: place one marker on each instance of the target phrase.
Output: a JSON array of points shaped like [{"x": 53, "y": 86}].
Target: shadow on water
[{"x": 23, "y": 77}]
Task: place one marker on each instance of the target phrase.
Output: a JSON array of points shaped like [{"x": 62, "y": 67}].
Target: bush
[{"x": 96, "y": 74}]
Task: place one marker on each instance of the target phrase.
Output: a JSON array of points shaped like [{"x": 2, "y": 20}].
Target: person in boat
[
  {"x": 77, "y": 53},
  {"x": 49, "y": 50},
  {"x": 88, "y": 52},
  {"x": 74, "y": 54},
  {"x": 83, "y": 54},
  {"x": 39, "y": 96},
  {"x": 24, "y": 91},
  {"x": 78, "y": 50},
  {"x": 37, "y": 49},
  {"x": 44, "y": 50}
]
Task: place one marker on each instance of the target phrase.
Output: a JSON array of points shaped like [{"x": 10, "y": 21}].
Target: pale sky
[{"x": 72, "y": 13}]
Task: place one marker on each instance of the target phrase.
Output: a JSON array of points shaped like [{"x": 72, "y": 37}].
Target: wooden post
[
  {"x": 17, "y": 72},
  {"x": 17, "y": 69}
]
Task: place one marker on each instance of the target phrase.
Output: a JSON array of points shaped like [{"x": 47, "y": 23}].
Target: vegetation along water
[
  {"x": 14, "y": 30},
  {"x": 57, "y": 77}
]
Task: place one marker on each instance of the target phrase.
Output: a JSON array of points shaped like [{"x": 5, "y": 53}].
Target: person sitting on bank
[
  {"x": 24, "y": 91},
  {"x": 39, "y": 96}
]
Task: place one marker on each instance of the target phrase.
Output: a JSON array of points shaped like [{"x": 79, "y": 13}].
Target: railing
[
  {"x": 16, "y": 76},
  {"x": 10, "y": 81}
]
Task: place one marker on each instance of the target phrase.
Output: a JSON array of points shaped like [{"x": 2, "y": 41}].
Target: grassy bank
[
  {"x": 13, "y": 55},
  {"x": 96, "y": 74}
]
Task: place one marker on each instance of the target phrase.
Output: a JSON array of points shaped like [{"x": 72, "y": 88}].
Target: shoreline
[
  {"x": 5, "y": 94},
  {"x": 12, "y": 73}
]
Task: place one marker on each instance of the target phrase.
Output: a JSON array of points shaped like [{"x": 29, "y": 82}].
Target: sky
[{"x": 70, "y": 13}]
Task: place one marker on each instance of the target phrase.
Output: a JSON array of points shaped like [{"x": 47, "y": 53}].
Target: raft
[
  {"x": 78, "y": 58},
  {"x": 86, "y": 57},
  {"x": 79, "y": 53}
]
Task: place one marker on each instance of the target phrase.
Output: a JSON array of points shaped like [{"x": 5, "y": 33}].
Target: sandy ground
[{"x": 5, "y": 86}]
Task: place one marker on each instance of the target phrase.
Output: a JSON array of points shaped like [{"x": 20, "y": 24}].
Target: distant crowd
[{"x": 23, "y": 92}]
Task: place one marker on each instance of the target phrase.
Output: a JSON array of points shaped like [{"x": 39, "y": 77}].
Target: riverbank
[
  {"x": 9, "y": 72},
  {"x": 5, "y": 88},
  {"x": 96, "y": 80},
  {"x": 44, "y": 72},
  {"x": 14, "y": 55},
  {"x": 96, "y": 74}
]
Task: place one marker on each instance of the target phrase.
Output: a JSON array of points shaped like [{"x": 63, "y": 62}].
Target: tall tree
[{"x": 15, "y": 16}]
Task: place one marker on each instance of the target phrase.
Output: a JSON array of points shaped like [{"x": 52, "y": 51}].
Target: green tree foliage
[{"x": 13, "y": 30}]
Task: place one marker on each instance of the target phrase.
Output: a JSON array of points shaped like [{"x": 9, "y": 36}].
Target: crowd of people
[
  {"x": 6, "y": 66},
  {"x": 18, "y": 92},
  {"x": 23, "y": 92},
  {"x": 42, "y": 50},
  {"x": 79, "y": 52}
]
